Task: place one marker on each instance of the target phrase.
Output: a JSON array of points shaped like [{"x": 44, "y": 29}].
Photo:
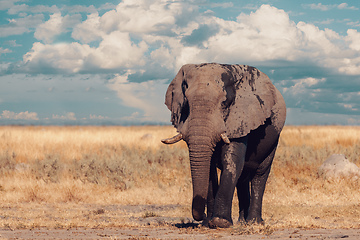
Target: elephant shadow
[{"x": 187, "y": 225}]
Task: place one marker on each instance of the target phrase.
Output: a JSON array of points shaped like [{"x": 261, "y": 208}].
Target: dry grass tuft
[{"x": 46, "y": 171}]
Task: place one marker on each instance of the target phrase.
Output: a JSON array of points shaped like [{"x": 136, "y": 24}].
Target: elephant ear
[
  {"x": 252, "y": 105},
  {"x": 175, "y": 98}
]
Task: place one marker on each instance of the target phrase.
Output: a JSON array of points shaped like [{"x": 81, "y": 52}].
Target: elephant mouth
[{"x": 179, "y": 137}]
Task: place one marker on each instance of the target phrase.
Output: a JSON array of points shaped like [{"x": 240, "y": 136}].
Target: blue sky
[{"x": 109, "y": 62}]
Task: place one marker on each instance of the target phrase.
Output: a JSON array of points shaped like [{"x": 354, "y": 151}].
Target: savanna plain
[{"x": 124, "y": 178}]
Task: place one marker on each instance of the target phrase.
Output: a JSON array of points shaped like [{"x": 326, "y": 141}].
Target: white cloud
[
  {"x": 89, "y": 30},
  {"x": 6, "y": 4},
  {"x": 263, "y": 35},
  {"x": 251, "y": 6},
  {"x": 67, "y": 57},
  {"x": 67, "y": 116},
  {"x": 4, "y": 50},
  {"x": 269, "y": 34},
  {"x": 157, "y": 37},
  {"x": 133, "y": 117},
  {"x": 302, "y": 85},
  {"x": 320, "y": 6},
  {"x": 21, "y": 115},
  {"x": 13, "y": 43},
  {"x": 325, "y": 22},
  {"x": 343, "y": 6},
  {"x": 20, "y": 25},
  {"x": 48, "y": 30},
  {"x": 145, "y": 96},
  {"x": 354, "y": 24},
  {"x": 114, "y": 52},
  {"x": 94, "y": 116},
  {"x": 15, "y": 9},
  {"x": 306, "y": 93},
  {"x": 266, "y": 34},
  {"x": 350, "y": 66},
  {"x": 125, "y": 42},
  {"x": 163, "y": 57},
  {"x": 222, "y": 5},
  {"x": 81, "y": 9},
  {"x": 353, "y": 38},
  {"x": 23, "y": 8},
  {"x": 346, "y": 6},
  {"x": 350, "y": 107},
  {"x": 318, "y": 41},
  {"x": 55, "y": 26},
  {"x": 153, "y": 16}
]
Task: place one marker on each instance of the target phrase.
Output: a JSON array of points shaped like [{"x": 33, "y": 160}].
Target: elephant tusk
[
  {"x": 172, "y": 140},
  {"x": 225, "y": 138}
]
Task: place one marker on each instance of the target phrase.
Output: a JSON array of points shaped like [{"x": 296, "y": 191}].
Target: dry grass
[
  {"x": 44, "y": 170},
  {"x": 55, "y": 164}
]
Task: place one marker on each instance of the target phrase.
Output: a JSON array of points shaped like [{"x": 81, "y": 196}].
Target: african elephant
[{"x": 231, "y": 117}]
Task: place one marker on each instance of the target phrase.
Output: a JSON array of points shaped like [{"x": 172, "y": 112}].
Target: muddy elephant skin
[{"x": 231, "y": 117}]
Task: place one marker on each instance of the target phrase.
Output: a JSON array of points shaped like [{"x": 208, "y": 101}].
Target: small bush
[
  {"x": 96, "y": 170},
  {"x": 7, "y": 162},
  {"x": 48, "y": 169},
  {"x": 148, "y": 214}
]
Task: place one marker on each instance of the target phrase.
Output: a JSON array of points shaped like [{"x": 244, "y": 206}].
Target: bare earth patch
[
  {"x": 172, "y": 233},
  {"x": 87, "y": 221}
]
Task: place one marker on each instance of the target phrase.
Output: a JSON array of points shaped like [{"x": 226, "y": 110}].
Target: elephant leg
[
  {"x": 232, "y": 160},
  {"x": 243, "y": 193},
  {"x": 213, "y": 188},
  {"x": 258, "y": 183}
]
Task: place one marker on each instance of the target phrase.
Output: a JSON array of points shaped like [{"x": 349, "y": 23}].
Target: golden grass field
[{"x": 63, "y": 177}]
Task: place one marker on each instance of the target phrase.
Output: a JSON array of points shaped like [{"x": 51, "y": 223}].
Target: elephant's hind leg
[
  {"x": 258, "y": 187},
  {"x": 243, "y": 194}
]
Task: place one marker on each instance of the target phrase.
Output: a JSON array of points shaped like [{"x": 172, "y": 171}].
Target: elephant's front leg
[
  {"x": 213, "y": 188},
  {"x": 232, "y": 160}
]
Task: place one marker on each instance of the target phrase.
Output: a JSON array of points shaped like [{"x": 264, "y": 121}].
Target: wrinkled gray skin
[{"x": 207, "y": 100}]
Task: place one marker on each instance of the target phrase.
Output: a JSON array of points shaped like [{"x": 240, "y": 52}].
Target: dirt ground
[
  {"x": 173, "y": 233},
  {"x": 136, "y": 222}
]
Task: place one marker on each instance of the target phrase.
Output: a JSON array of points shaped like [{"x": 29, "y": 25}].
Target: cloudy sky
[{"x": 109, "y": 62}]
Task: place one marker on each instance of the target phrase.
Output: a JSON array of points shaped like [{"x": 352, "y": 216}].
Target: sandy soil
[
  {"x": 173, "y": 233},
  {"x": 136, "y": 222}
]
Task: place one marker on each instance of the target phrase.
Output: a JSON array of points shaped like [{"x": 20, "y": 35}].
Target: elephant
[{"x": 230, "y": 117}]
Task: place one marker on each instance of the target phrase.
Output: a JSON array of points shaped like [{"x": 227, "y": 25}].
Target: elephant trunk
[{"x": 201, "y": 146}]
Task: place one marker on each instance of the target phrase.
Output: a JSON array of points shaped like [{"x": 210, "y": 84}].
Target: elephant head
[{"x": 211, "y": 103}]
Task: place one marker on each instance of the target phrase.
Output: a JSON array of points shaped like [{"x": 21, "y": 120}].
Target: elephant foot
[
  {"x": 242, "y": 218},
  {"x": 257, "y": 220},
  {"x": 217, "y": 222},
  {"x": 241, "y": 221},
  {"x": 205, "y": 222}
]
